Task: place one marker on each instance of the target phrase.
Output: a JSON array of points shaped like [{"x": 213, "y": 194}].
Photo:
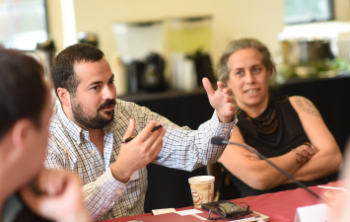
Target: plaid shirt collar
[{"x": 76, "y": 132}]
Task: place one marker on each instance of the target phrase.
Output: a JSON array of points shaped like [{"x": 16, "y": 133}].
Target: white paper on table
[
  {"x": 188, "y": 212},
  {"x": 314, "y": 213},
  {"x": 163, "y": 211}
]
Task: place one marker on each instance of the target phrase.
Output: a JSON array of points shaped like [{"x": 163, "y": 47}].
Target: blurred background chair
[{"x": 224, "y": 189}]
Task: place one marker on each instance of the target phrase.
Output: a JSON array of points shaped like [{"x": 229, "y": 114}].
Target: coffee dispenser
[
  {"x": 140, "y": 46},
  {"x": 189, "y": 43},
  {"x": 152, "y": 78},
  {"x": 46, "y": 51}
]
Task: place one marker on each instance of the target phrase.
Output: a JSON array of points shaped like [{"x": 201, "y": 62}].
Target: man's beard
[{"x": 96, "y": 122}]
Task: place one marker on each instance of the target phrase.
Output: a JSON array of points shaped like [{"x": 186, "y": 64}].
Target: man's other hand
[
  {"x": 222, "y": 100},
  {"x": 60, "y": 197},
  {"x": 138, "y": 152}
]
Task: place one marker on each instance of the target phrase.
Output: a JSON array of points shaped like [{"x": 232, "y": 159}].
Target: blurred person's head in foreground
[
  {"x": 25, "y": 112},
  {"x": 341, "y": 198}
]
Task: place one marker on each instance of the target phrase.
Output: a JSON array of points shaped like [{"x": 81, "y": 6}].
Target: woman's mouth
[{"x": 251, "y": 91}]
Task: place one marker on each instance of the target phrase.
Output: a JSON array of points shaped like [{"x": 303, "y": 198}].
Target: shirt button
[
  {"x": 226, "y": 130},
  {"x": 119, "y": 192},
  {"x": 93, "y": 152}
]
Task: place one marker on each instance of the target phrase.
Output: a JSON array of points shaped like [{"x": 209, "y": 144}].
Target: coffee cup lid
[{"x": 201, "y": 179}]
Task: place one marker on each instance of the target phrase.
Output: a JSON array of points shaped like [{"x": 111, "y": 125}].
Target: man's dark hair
[
  {"x": 22, "y": 89},
  {"x": 63, "y": 65}
]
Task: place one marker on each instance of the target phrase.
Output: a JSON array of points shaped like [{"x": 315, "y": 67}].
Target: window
[
  {"x": 23, "y": 23},
  {"x": 302, "y": 11}
]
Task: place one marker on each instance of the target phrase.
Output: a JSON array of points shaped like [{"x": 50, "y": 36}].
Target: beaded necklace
[{"x": 265, "y": 123}]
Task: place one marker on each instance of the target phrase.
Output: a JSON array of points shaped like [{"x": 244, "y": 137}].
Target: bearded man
[{"x": 90, "y": 126}]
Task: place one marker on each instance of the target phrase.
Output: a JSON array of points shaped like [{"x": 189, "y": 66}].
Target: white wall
[
  {"x": 232, "y": 19},
  {"x": 55, "y": 22},
  {"x": 341, "y": 10},
  {"x": 247, "y": 18}
]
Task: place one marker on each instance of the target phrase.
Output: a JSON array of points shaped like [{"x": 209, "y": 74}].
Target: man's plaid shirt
[{"x": 70, "y": 149}]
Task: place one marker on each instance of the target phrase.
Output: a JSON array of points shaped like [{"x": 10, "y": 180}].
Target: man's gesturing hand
[
  {"x": 60, "y": 199},
  {"x": 139, "y": 152},
  {"x": 222, "y": 100}
]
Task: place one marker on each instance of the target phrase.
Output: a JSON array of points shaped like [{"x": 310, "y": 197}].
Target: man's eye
[
  {"x": 110, "y": 82},
  {"x": 256, "y": 69},
  {"x": 94, "y": 88},
  {"x": 239, "y": 73}
]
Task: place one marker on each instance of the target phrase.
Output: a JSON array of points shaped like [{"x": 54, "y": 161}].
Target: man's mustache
[{"x": 107, "y": 103}]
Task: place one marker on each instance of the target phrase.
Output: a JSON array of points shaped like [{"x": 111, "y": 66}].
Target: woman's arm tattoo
[{"x": 307, "y": 106}]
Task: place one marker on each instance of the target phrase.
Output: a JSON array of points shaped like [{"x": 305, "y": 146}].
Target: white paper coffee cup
[{"x": 202, "y": 189}]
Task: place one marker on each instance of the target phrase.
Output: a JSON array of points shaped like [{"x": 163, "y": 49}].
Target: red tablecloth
[{"x": 280, "y": 206}]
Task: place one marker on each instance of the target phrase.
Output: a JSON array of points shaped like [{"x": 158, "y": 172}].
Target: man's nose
[{"x": 110, "y": 92}]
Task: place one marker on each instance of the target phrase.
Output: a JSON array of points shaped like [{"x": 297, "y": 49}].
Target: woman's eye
[{"x": 239, "y": 73}]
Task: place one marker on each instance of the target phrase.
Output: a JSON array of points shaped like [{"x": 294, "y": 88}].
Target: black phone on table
[{"x": 230, "y": 208}]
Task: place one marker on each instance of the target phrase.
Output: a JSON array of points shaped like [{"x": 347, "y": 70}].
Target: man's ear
[
  {"x": 64, "y": 96},
  {"x": 21, "y": 133}
]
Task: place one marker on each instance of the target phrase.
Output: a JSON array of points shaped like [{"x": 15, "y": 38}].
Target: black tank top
[{"x": 288, "y": 135}]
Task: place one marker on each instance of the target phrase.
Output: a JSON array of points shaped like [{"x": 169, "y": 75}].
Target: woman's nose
[{"x": 250, "y": 78}]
